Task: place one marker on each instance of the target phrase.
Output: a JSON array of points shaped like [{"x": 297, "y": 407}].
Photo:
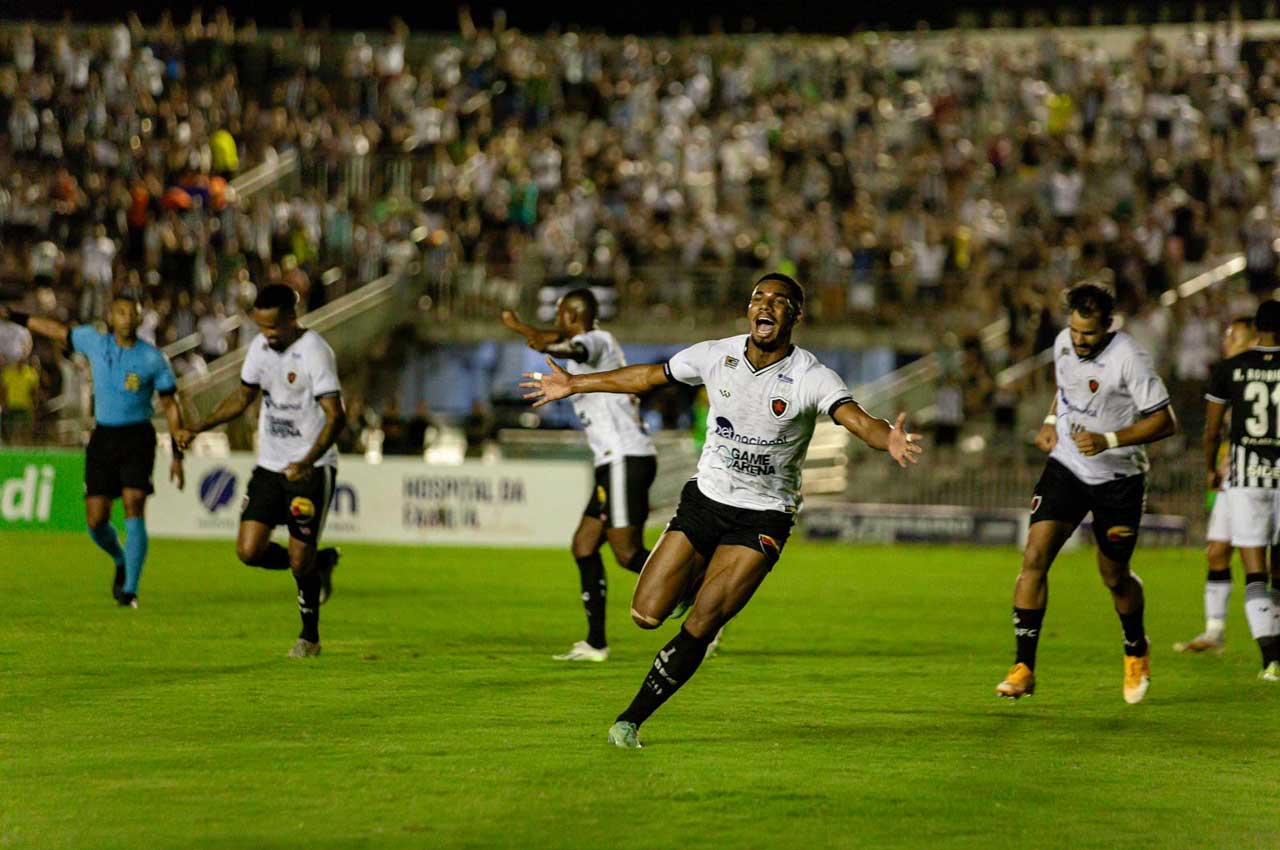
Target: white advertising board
[{"x": 510, "y": 503}]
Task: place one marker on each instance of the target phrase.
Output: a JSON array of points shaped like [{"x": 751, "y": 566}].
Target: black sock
[
  {"x": 274, "y": 557},
  {"x": 309, "y": 605},
  {"x": 1135, "y": 635},
  {"x": 1026, "y": 630},
  {"x": 673, "y": 666},
  {"x": 1270, "y": 647},
  {"x": 594, "y": 591},
  {"x": 1220, "y": 575},
  {"x": 636, "y": 564}
]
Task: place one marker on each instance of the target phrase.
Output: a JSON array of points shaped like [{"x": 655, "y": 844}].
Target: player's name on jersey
[{"x": 1255, "y": 374}]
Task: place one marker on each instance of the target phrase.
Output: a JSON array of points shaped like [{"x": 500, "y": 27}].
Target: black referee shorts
[
  {"x": 303, "y": 505},
  {"x": 119, "y": 457},
  {"x": 709, "y": 524},
  {"x": 621, "y": 494},
  {"x": 1116, "y": 506}
]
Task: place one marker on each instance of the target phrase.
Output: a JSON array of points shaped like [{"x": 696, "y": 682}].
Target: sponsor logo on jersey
[
  {"x": 1035, "y": 503},
  {"x": 786, "y": 379},
  {"x": 278, "y": 427},
  {"x": 132, "y": 382},
  {"x": 302, "y": 508},
  {"x": 217, "y": 489},
  {"x": 725, "y": 393},
  {"x": 1117, "y": 533},
  {"x": 724, "y": 429},
  {"x": 778, "y": 406},
  {"x": 730, "y": 362},
  {"x": 293, "y": 376},
  {"x": 1093, "y": 385},
  {"x": 746, "y": 462}
]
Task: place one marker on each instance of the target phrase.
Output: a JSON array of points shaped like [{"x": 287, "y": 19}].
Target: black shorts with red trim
[
  {"x": 621, "y": 495},
  {"x": 1116, "y": 506},
  {"x": 709, "y": 524},
  {"x": 303, "y": 505}
]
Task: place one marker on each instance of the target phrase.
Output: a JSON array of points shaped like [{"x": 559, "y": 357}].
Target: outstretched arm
[
  {"x": 229, "y": 408},
  {"x": 546, "y": 387},
  {"x": 901, "y": 445},
  {"x": 537, "y": 338},
  {"x": 50, "y": 328}
]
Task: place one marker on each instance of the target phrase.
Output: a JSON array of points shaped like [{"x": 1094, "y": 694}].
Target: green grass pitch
[{"x": 852, "y": 706}]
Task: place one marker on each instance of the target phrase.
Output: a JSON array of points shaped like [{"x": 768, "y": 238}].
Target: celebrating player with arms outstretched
[
  {"x": 624, "y": 459},
  {"x": 127, "y": 372},
  {"x": 1249, "y": 386},
  {"x": 1109, "y": 402},
  {"x": 735, "y": 516},
  {"x": 301, "y": 416}
]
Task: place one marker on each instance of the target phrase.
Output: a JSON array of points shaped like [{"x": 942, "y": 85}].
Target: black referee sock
[
  {"x": 674, "y": 665},
  {"x": 636, "y": 564},
  {"x": 309, "y": 605},
  {"x": 1026, "y": 630},
  {"x": 594, "y": 591},
  {"x": 274, "y": 557}
]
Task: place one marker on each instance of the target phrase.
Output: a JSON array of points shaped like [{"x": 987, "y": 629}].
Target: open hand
[
  {"x": 904, "y": 447},
  {"x": 546, "y": 387}
]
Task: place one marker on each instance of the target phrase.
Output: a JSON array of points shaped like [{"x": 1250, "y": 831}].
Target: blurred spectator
[{"x": 19, "y": 391}]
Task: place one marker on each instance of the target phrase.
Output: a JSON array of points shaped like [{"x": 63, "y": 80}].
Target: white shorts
[
  {"x": 1255, "y": 517},
  {"x": 1220, "y": 519}
]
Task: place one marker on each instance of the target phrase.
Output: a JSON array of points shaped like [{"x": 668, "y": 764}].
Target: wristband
[
  {"x": 1051, "y": 419},
  {"x": 1113, "y": 442},
  {"x": 19, "y": 318}
]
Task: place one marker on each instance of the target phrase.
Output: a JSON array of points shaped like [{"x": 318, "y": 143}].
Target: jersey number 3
[{"x": 1259, "y": 422}]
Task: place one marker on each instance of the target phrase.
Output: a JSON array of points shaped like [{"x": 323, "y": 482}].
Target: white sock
[
  {"x": 1216, "y": 596},
  {"x": 1259, "y": 610}
]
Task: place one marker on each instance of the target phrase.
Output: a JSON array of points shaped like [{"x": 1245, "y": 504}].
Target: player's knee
[
  {"x": 1116, "y": 577},
  {"x": 645, "y": 621},
  {"x": 1035, "y": 562},
  {"x": 248, "y": 553},
  {"x": 581, "y": 549}
]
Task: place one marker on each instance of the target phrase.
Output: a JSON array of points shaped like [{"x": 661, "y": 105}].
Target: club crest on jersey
[
  {"x": 730, "y": 361},
  {"x": 1035, "y": 503},
  {"x": 778, "y": 406},
  {"x": 1093, "y": 385},
  {"x": 132, "y": 382},
  {"x": 302, "y": 508},
  {"x": 293, "y": 376}
]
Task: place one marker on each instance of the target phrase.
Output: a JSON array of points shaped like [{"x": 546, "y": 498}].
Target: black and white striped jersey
[{"x": 1249, "y": 384}]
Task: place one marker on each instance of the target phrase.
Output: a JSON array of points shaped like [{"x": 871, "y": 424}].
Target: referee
[{"x": 127, "y": 372}]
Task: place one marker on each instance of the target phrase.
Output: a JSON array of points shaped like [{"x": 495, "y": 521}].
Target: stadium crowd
[{"x": 887, "y": 172}]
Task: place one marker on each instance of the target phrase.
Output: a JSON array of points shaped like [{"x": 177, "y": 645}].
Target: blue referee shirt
[{"x": 124, "y": 379}]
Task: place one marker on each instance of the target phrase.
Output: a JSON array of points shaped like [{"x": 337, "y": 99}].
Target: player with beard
[
  {"x": 625, "y": 462},
  {"x": 128, "y": 373},
  {"x": 302, "y": 414},
  {"x": 734, "y": 517},
  {"x": 1109, "y": 402}
]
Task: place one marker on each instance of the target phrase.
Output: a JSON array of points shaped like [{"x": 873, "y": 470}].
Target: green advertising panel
[{"x": 41, "y": 490}]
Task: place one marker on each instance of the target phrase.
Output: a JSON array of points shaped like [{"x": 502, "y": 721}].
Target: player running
[
  {"x": 118, "y": 462},
  {"x": 293, "y": 369},
  {"x": 624, "y": 459},
  {"x": 1109, "y": 403},
  {"x": 735, "y": 516},
  {"x": 1248, "y": 385},
  {"x": 1217, "y": 587}
]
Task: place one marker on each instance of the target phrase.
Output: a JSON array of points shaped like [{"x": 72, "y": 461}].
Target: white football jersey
[
  {"x": 15, "y": 343},
  {"x": 611, "y": 420},
  {"x": 1108, "y": 392},
  {"x": 759, "y": 423},
  {"x": 291, "y": 381}
]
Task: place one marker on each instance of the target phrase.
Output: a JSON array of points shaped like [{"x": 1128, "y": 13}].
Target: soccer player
[
  {"x": 1217, "y": 587},
  {"x": 625, "y": 461},
  {"x": 293, "y": 369},
  {"x": 1249, "y": 386},
  {"x": 1109, "y": 402},
  {"x": 127, "y": 372},
  {"x": 735, "y": 516}
]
